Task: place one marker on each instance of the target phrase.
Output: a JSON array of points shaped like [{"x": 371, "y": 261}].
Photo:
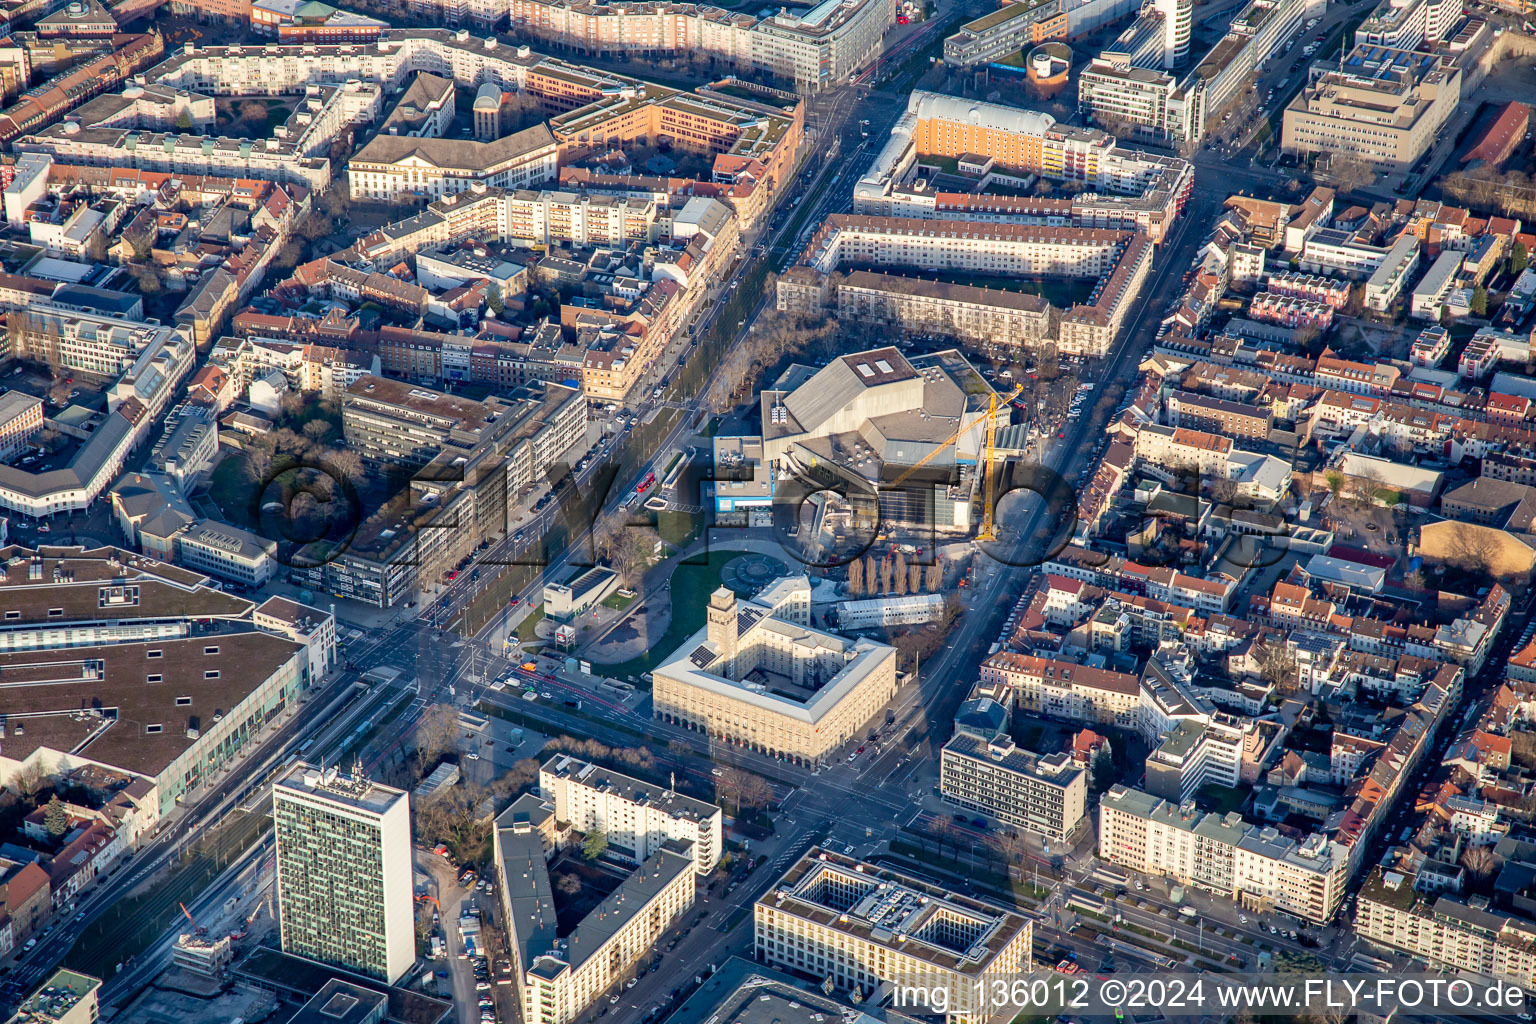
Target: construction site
[{"x": 875, "y": 445}]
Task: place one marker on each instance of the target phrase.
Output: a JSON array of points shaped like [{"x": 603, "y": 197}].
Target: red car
[
  {"x": 1061, "y": 433},
  {"x": 453, "y": 574},
  {"x": 859, "y": 751},
  {"x": 513, "y": 600}
]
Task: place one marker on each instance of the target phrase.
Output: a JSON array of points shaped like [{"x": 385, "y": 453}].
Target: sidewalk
[{"x": 348, "y": 612}]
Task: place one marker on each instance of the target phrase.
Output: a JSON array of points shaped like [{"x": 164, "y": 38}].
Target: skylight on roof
[
  {"x": 865, "y": 371},
  {"x": 882, "y": 366}
]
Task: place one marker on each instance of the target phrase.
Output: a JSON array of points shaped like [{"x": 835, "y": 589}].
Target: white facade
[
  {"x": 1390, "y": 279},
  {"x": 1257, "y": 867},
  {"x": 635, "y": 816},
  {"x": 344, "y": 872}
]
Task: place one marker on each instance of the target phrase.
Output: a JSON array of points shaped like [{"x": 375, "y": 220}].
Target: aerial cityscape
[{"x": 818, "y": 512}]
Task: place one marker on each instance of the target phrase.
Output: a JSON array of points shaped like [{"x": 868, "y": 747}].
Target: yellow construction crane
[{"x": 989, "y": 454}]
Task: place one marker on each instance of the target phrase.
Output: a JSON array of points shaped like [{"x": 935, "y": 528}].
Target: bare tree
[
  {"x": 856, "y": 578},
  {"x": 742, "y": 788},
  {"x": 1365, "y": 483},
  {"x": 1277, "y": 665},
  {"x": 1349, "y": 173},
  {"x": 568, "y": 883},
  {"x": 258, "y": 463},
  {"x": 1479, "y": 862},
  {"x": 935, "y": 578},
  {"x": 914, "y": 578},
  {"x": 317, "y": 430},
  {"x": 436, "y": 734},
  {"x": 346, "y": 462}
]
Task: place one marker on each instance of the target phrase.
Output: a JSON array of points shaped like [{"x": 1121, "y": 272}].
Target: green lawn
[
  {"x": 618, "y": 602},
  {"x": 526, "y": 628},
  {"x": 230, "y": 488},
  {"x": 692, "y": 583}
]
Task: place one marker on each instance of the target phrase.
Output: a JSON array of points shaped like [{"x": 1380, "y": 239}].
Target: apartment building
[
  {"x": 521, "y": 217},
  {"x": 65, "y": 997},
  {"x": 1257, "y": 867},
  {"x": 1124, "y": 189},
  {"x": 1047, "y": 795},
  {"x": 1290, "y": 311},
  {"x": 814, "y": 48},
  {"x": 115, "y": 130},
  {"x": 823, "y": 689},
  {"x": 978, "y": 315},
  {"x": 1431, "y": 292},
  {"x": 160, "y": 358},
  {"x": 1335, "y": 251},
  {"x": 188, "y": 445},
  {"x": 1388, "y": 281},
  {"x": 824, "y": 46},
  {"x": 343, "y": 85},
  {"x": 49, "y": 101},
  {"x": 1194, "y": 755},
  {"x": 1452, "y": 932},
  {"x": 1217, "y": 415},
  {"x": 1118, "y": 261},
  {"x": 558, "y": 978},
  {"x": 860, "y": 926},
  {"x": 1151, "y": 100},
  {"x": 638, "y": 818},
  {"x": 1327, "y": 290}
]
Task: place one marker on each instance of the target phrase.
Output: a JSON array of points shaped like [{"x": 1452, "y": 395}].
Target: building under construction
[{"x": 871, "y": 443}]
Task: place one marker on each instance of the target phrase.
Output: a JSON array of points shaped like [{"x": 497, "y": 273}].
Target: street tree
[{"x": 435, "y": 735}]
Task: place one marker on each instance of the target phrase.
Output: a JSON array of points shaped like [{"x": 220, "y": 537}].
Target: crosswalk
[{"x": 803, "y": 840}]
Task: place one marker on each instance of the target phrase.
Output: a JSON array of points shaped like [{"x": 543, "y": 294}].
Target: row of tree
[
  {"x": 1512, "y": 193},
  {"x": 891, "y": 574}
]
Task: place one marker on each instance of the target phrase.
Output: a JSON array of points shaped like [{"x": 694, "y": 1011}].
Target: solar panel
[{"x": 702, "y": 657}]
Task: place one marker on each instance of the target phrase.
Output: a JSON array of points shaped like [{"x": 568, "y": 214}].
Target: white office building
[{"x": 344, "y": 875}]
